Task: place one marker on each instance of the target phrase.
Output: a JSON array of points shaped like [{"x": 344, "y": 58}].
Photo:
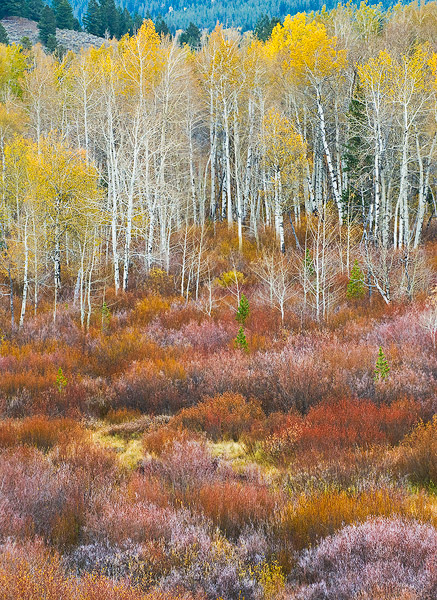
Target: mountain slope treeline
[{"x": 118, "y": 17}]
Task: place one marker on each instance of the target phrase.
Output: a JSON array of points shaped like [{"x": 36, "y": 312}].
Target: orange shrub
[
  {"x": 113, "y": 354},
  {"x": 45, "y": 433},
  {"x": 38, "y": 431},
  {"x": 150, "y": 307},
  {"x": 121, "y": 415},
  {"x": 232, "y": 505},
  {"x": 224, "y": 416},
  {"x": 157, "y": 440},
  {"x": 8, "y": 436},
  {"x": 32, "y": 572},
  {"x": 311, "y": 517},
  {"x": 417, "y": 455}
]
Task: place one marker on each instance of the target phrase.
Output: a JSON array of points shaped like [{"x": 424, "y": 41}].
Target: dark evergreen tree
[
  {"x": 308, "y": 264},
  {"x": 47, "y": 25},
  {"x": 191, "y": 36},
  {"x": 25, "y": 43},
  {"x": 12, "y": 8},
  {"x": 63, "y": 13},
  {"x": 93, "y": 19},
  {"x": 4, "y": 39},
  {"x": 382, "y": 369},
  {"x": 110, "y": 16},
  {"x": 123, "y": 22},
  {"x": 358, "y": 163},
  {"x": 264, "y": 27},
  {"x": 138, "y": 21},
  {"x": 76, "y": 25},
  {"x": 52, "y": 42},
  {"x": 240, "y": 341},
  {"x": 34, "y": 9},
  {"x": 161, "y": 26}
]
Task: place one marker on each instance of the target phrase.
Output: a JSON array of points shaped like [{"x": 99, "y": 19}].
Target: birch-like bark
[
  {"x": 331, "y": 171},
  {"x": 424, "y": 175},
  {"x": 25, "y": 274}
]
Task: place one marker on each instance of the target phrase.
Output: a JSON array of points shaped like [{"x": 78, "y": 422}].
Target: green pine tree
[
  {"x": 355, "y": 286},
  {"x": 106, "y": 316},
  {"x": 25, "y": 43},
  {"x": 357, "y": 161},
  {"x": 12, "y": 8},
  {"x": 4, "y": 39},
  {"x": 161, "y": 26},
  {"x": 138, "y": 21},
  {"x": 34, "y": 9},
  {"x": 47, "y": 25},
  {"x": 76, "y": 25},
  {"x": 110, "y": 18},
  {"x": 308, "y": 263},
  {"x": 125, "y": 23},
  {"x": 264, "y": 27},
  {"x": 191, "y": 37},
  {"x": 61, "y": 381},
  {"x": 63, "y": 13},
  {"x": 243, "y": 310},
  {"x": 93, "y": 21},
  {"x": 240, "y": 341},
  {"x": 381, "y": 368},
  {"x": 52, "y": 43}
]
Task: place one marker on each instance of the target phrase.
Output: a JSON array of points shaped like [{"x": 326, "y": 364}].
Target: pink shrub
[
  {"x": 42, "y": 500},
  {"x": 393, "y": 555}
]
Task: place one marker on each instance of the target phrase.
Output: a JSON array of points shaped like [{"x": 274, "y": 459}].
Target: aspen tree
[
  {"x": 140, "y": 60},
  {"x": 284, "y": 155},
  {"x": 308, "y": 57}
]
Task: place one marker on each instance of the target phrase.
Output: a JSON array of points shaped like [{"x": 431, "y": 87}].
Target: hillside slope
[{"x": 17, "y": 28}]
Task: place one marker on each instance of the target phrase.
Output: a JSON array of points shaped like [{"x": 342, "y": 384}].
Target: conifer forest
[{"x": 218, "y": 303}]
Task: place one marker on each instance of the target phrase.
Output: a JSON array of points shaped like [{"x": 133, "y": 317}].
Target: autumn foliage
[{"x": 218, "y": 314}]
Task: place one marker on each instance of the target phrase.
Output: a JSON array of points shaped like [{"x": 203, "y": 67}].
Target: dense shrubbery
[
  {"x": 199, "y": 397},
  {"x": 226, "y": 416},
  {"x": 417, "y": 456},
  {"x": 379, "y": 559},
  {"x": 168, "y": 464}
]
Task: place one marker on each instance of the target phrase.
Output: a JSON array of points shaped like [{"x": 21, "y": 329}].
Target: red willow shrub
[
  {"x": 38, "y": 431},
  {"x": 331, "y": 426},
  {"x": 226, "y": 416},
  {"x": 234, "y": 506},
  {"x": 347, "y": 423},
  {"x": 340, "y": 424}
]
